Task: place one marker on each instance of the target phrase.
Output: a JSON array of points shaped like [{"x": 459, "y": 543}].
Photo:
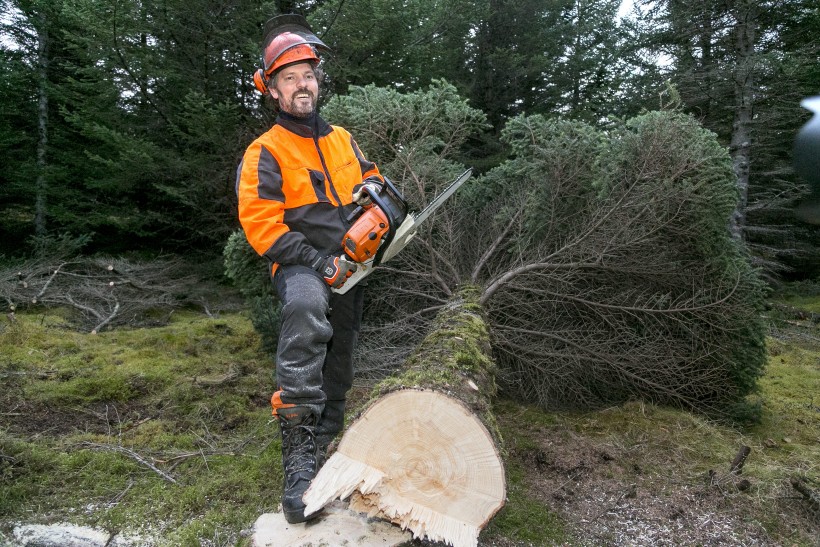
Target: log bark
[
  {"x": 424, "y": 453},
  {"x": 740, "y": 460},
  {"x": 812, "y": 497}
]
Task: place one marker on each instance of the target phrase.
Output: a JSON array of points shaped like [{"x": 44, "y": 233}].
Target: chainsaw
[{"x": 384, "y": 227}]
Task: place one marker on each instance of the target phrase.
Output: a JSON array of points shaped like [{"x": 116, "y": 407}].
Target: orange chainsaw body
[
  {"x": 363, "y": 239},
  {"x": 379, "y": 230}
]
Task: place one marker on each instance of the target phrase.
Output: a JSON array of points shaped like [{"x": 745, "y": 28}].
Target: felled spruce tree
[
  {"x": 600, "y": 266},
  {"x": 620, "y": 279},
  {"x": 604, "y": 261}
]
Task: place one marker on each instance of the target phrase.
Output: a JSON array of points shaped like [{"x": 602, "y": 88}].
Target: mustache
[{"x": 302, "y": 92}]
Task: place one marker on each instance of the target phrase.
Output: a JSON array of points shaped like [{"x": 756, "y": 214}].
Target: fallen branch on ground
[
  {"x": 812, "y": 497},
  {"x": 740, "y": 459},
  {"x": 133, "y": 455}
]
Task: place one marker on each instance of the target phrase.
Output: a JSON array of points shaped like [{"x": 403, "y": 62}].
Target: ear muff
[{"x": 260, "y": 81}]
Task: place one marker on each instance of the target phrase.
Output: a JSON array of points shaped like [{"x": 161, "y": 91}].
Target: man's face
[{"x": 296, "y": 89}]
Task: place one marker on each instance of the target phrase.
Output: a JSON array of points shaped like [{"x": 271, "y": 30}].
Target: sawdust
[{"x": 606, "y": 497}]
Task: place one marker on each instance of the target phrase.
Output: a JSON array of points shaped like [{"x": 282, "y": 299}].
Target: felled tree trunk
[{"x": 424, "y": 453}]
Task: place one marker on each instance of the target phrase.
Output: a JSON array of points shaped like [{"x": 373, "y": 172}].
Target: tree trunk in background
[
  {"x": 705, "y": 67},
  {"x": 41, "y": 186},
  {"x": 423, "y": 454},
  {"x": 577, "y": 51},
  {"x": 745, "y": 34},
  {"x": 484, "y": 91}
]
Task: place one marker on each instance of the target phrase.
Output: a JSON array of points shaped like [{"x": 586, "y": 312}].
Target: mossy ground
[
  {"x": 191, "y": 398},
  {"x": 642, "y": 467}
]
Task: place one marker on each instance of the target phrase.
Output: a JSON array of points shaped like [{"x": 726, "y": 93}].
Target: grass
[
  {"x": 524, "y": 519},
  {"x": 191, "y": 399}
]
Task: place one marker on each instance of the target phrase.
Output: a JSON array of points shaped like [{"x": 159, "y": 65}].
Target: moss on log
[
  {"x": 454, "y": 359},
  {"x": 424, "y": 453}
]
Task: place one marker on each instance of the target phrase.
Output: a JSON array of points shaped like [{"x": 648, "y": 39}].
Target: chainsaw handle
[
  {"x": 394, "y": 217},
  {"x": 361, "y": 208},
  {"x": 363, "y": 270},
  {"x": 370, "y": 189}
]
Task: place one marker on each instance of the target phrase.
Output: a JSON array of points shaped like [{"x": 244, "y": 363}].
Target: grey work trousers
[{"x": 319, "y": 331}]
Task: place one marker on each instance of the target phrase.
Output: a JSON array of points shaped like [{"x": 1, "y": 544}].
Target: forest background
[
  {"x": 617, "y": 248},
  {"x": 122, "y": 122}
]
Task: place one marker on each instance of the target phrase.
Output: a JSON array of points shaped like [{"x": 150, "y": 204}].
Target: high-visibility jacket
[{"x": 295, "y": 186}]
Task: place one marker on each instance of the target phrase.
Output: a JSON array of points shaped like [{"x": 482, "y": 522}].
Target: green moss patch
[
  {"x": 525, "y": 518},
  {"x": 97, "y": 427}
]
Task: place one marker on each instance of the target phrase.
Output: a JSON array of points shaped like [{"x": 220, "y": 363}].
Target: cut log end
[{"x": 420, "y": 459}]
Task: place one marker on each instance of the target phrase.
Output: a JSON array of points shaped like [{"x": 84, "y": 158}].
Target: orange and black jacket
[{"x": 295, "y": 186}]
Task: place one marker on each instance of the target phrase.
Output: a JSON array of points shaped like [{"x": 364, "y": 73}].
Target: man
[{"x": 297, "y": 185}]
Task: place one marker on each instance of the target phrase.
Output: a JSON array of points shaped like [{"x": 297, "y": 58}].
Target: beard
[{"x": 298, "y": 105}]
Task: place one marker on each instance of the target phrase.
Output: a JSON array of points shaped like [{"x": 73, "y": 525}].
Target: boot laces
[{"x": 299, "y": 443}]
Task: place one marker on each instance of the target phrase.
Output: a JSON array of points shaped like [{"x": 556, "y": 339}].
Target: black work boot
[
  {"x": 298, "y": 459},
  {"x": 330, "y": 424}
]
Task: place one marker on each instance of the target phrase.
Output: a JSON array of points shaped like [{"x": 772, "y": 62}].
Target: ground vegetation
[{"x": 163, "y": 435}]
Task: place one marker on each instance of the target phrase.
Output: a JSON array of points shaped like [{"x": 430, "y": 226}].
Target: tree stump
[{"x": 424, "y": 453}]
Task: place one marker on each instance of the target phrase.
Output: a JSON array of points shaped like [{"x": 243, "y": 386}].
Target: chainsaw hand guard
[{"x": 363, "y": 191}]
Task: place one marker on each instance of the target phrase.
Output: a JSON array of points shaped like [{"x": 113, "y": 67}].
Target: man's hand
[
  {"x": 335, "y": 269},
  {"x": 360, "y": 191}
]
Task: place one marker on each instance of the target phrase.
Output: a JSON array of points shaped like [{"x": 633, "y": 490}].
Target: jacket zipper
[{"x": 339, "y": 207}]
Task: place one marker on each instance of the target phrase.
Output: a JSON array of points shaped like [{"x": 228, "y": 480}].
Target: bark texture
[
  {"x": 41, "y": 186},
  {"x": 454, "y": 359},
  {"x": 745, "y": 33}
]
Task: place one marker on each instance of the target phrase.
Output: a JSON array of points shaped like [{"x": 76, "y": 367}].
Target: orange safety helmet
[{"x": 288, "y": 40}]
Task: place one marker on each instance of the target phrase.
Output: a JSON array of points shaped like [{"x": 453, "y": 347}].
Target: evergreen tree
[
  {"x": 187, "y": 111},
  {"x": 145, "y": 111},
  {"x": 789, "y": 71},
  {"x": 18, "y": 142},
  {"x": 404, "y": 46},
  {"x": 585, "y": 77},
  {"x": 735, "y": 65},
  {"x": 38, "y": 54}
]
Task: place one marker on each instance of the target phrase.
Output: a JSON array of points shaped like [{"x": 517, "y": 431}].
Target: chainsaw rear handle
[{"x": 394, "y": 207}]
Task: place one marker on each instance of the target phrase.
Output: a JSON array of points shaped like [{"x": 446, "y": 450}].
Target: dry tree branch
[
  {"x": 105, "y": 293},
  {"x": 48, "y": 282},
  {"x": 131, "y": 454},
  {"x": 497, "y": 283},
  {"x": 108, "y": 319},
  {"x": 435, "y": 258},
  {"x": 812, "y": 497},
  {"x": 495, "y": 245},
  {"x": 694, "y": 307},
  {"x": 79, "y": 306}
]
